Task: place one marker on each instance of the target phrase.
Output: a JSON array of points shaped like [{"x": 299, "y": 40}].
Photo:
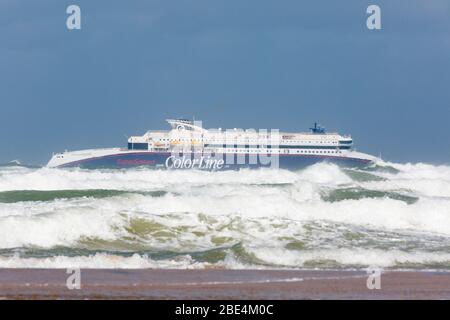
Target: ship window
[{"x": 137, "y": 146}]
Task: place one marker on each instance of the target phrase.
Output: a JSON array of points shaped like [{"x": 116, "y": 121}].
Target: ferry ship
[{"x": 187, "y": 145}]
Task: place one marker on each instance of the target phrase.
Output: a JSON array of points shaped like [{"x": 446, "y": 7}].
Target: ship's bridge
[
  {"x": 137, "y": 143},
  {"x": 183, "y": 124}
]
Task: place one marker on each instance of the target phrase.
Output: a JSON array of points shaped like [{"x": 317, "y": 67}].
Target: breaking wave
[{"x": 389, "y": 215}]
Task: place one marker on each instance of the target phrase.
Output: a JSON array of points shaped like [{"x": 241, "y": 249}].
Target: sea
[{"x": 388, "y": 215}]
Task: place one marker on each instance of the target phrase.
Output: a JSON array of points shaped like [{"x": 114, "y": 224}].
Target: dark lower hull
[{"x": 208, "y": 162}]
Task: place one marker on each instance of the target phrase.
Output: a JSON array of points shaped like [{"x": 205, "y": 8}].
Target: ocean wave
[
  {"x": 100, "y": 260},
  {"x": 322, "y": 216},
  {"x": 50, "y": 195},
  {"x": 329, "y": 259}
]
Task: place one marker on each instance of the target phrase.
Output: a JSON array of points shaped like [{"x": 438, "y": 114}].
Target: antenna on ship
[{"x": 317, "y": 128}]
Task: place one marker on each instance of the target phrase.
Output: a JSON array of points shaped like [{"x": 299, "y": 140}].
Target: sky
[{"x": 230, "y": 63}]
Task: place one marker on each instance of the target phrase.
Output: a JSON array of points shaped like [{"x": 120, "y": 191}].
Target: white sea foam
[
  {"x": 75, "y": 179},
  {"x": 322, "y": 173},
  {"x": 200, "y": 211},
  {"x": 62, "y": 227},
  {"x": 64, "y": 222},
  {"x": 271, "y": 256},
  {"x": 352, "y": 257},
  {"x": 99, "y": 260}
]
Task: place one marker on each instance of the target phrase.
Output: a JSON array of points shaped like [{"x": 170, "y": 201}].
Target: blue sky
[{"x": 252, "y": 64}]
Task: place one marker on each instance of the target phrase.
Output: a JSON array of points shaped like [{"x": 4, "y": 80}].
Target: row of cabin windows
[
  {"x": 287, "y": 141},
  {"x": 144, "y": 146},
  {"x": 269, "y": 146},
  {"x": 279, "y": 151},
  {"x": 314, "y": 147},
  {"x": 253, "y": 140}
]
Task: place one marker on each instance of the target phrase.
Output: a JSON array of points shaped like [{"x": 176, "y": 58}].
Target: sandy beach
[{"x": 221, "y": 284}]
